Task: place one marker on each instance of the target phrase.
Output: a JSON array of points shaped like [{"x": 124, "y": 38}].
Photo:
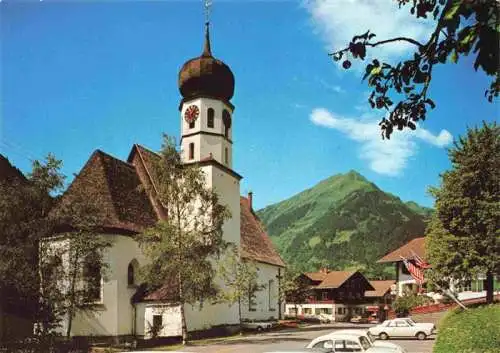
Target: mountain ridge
[{"x": 331, "y": 224}]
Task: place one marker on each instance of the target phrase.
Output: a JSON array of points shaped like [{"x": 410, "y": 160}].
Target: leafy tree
[
  {"x": 25, "y": 203},
  {"x": 240, "y": 281},
  {"x": 72, "y": 264},
  {"x": 403, "y": 304},
  {"x": 462, "y": 27},
  {"x": 182, "y": 247},
  {"x": 295, "y": 288},
  {"x": 463, "y": 237}
]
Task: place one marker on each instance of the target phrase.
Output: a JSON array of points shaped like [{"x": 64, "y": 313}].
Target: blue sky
[{"x": 77, "y": 76}]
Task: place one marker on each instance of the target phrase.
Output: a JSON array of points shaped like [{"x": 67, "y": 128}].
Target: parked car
[
  {"x": 396, "y": 348},
  {"x": 326, "y": 318},
  {"x": 359, "y": 319},
  {"x": 347, "y": 343},
  {"x": 402, "y": 327},
  {"x": 257, "y": 325}
]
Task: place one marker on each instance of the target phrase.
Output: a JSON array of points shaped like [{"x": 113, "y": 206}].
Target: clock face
[{"x": 191, "y": 114}]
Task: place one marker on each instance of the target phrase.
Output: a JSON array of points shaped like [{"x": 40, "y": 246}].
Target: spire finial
[{"x": 206, "y": 49}]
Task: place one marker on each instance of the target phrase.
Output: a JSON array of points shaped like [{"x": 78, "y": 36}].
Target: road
[{"x": 273, "y": 341}]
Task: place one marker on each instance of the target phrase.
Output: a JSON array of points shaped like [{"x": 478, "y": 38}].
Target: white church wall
[
  {"x": 115, "y": 313},
  {"x": 266, "y": 301}
]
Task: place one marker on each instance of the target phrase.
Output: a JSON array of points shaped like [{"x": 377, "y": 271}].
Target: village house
[
  {"x": 125, "y": 190},
  {"x": 340, "y": 294},
  {"x": 405, "y": 282}
]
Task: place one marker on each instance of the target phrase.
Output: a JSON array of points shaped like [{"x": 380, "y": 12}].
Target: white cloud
[
  {"x": 337, "y": 21},
  {"x": 388, "y": 157}
]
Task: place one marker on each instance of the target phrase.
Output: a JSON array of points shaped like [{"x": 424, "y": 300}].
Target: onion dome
[{"x": 206, "y": 76}]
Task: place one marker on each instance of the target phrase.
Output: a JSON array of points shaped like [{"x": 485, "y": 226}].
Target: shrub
[
  {"x": 473, "y": 330},
  {"x": 403, "y": 305}
]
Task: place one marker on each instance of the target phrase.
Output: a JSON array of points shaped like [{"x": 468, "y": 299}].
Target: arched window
[
  {"x": 226, "y": 119},
  {"x": 132, "y": 272},
  {"x": 210, "y": 118},
  {"x": 192, "y": 124},
  {"x": 52, "y": 271},
  {"x": 226, "y": 155},
  {"x": 191, "y": 150},
  {"x": 93, "y": 277}
]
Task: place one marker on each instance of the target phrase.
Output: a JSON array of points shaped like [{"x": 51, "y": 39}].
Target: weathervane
[{"x": 208, "y": 5}]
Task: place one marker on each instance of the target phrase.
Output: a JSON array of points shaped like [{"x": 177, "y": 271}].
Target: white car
[
  {"x": 402, "y": 327},
  {"x": 326, "y": 318},
  {"x": 257, "y": 325},
  {"x": 347, "y": 343},
  {"x": 396, "y": 348}
]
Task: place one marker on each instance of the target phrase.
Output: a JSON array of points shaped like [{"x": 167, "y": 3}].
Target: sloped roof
[
  {"x": 381, "y": 287},
  {"x": 316, "y": 276},
  {"x": 116, "y": 188},
  {"x": 335, "y": 279},
  {"x": 415, "y": 246},
  {"x": 255, "y": 243}
]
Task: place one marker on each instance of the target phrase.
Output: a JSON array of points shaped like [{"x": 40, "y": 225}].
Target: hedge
[{"x": 476, "y": 330}]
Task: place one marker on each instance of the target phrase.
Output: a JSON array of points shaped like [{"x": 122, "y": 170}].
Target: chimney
[
  {"x": 324, "y": 270},
  {"x": 250, "y": 199}
]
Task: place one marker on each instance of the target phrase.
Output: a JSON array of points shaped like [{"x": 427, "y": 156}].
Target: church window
[
  {"x": 226, "y": 119},
  {"x": 270, "y": 294},
  {"x": 132, "y": 273},
  {"x": 93, "y": 277},
  {"x": 210, "y": 118},
  {"x": 191, "y": 150},
  {"x": 192, "y": 124},
  {"x": 52, "y": 271},
  {"x": 226, "y": 156}
]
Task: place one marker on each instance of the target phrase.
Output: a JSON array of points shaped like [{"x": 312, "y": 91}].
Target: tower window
[
  {"x": 191, "y": 150},
  {"x": 210, "y": 118},
  {"x": 192, "y": 125},
  {"x": 226, "y": 155},
  {"x": 226, "y": 119}
]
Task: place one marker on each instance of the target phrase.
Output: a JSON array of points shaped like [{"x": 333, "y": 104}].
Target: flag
[
  {"x": 419, "y": 261},
  {"x": 416, "y": 272}
]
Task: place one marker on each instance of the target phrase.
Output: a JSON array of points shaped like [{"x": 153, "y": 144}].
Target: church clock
[{"x": 191, "y": 114}]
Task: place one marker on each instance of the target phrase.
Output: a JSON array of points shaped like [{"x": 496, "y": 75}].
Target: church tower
[{"x": 207, "y": 86}]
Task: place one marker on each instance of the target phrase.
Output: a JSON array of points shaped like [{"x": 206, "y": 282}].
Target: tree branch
[{"x": 397, "y": 39}]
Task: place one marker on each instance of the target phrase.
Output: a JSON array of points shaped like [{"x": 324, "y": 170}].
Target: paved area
[{"x": 273, "y": 341}]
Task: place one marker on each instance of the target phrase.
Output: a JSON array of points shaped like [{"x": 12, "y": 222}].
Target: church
[{"x": 125, "y": 192}]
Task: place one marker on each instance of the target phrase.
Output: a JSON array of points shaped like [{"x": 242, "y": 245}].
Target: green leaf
[
  {"x": 452, "y": 10},
  {"x": 454, "y": 56}
]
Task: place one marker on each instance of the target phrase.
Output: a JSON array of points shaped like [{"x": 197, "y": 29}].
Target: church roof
[
  {"x": 255, "y": 243},
  {"x": 116, "y": 188}
]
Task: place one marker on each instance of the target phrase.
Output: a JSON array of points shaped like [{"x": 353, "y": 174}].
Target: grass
[{"x": 476, "y": 330}]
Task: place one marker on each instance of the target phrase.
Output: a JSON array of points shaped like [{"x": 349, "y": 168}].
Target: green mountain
[{"x": 343, "y": 222}]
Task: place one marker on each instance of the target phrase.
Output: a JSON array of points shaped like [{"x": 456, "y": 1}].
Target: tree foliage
[
  {"x": 403, "y": 304},
  {"x": 182, "y": 247},
  {"x": 295, "y": 289},
  {"x": 462, "y": 27},
  {"x": 25, "y": 203},
  {"x": 463, "y": 236},
  {"x": 240, "y": 279}
]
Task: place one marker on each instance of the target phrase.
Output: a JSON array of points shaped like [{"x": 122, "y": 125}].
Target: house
[
  {"x": 380, "y": 299},
  {"x": 337, "y": 293},
  {"x": 405, "y": 282},
  {"x": 125, "y": 192}
]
